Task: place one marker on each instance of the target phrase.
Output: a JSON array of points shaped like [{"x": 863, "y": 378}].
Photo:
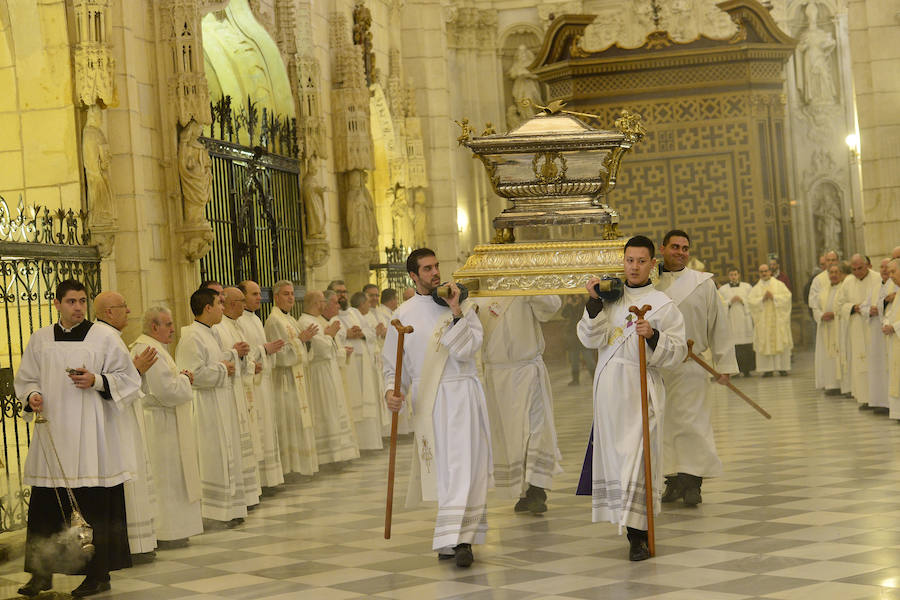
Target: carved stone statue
[
  {"x": 361, "y": 228},
  {"x": 525, "y": 85},
  {"x": 419, "y": 218},
  {"x": 313, "y": 201},
  {"x": 194, "y": 169},
  {"x": 96, "y": 156},
  {"x": 817, "y": 48},
  {"x": 827, "y": 218}
]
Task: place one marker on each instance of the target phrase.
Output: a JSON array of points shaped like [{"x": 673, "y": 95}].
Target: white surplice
[
  {"x": 261, "y": 389},
  {"x": 375, "y": 343},
  {"x": 738, "y": 312},
  {"x": 858, "y": 328},
  {"x": 228, "y": 333},
  {"x": 517, "y": 388},
  {"x": 335, "y": 441},
  {"x": 772, "y": 339},
  {"x": 617, "y": 480},
  {"x": 877, "y": 356},
  {"x": 360, "y": 384},
  {"x": 216, "y": 426},
  {"x": 172, "y": 444},
  {"x": 452, "y": 462},
  {"x": 140, "y": 491},
  {"x": 98, "y": 452},
  {"x": 828, "y": 336},
  {"x": 892, "y": 341},
  {"x": 689, "y": 445},
  {"x": 293, "y": 416},
  {"x": 385, "y": 315}
]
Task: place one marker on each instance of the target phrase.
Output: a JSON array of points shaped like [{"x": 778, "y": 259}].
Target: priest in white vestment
[
  {"x": 171, "y": 439},
  {"x": 878, "y": 365},
  {"x": 362, "y": 387},
  {"x": 689, "y": 446},
  {"x": 820, "y": 286},
  {"x": 374, "y": 333},
  {"x": 140, "y": 493},
  {"x": 80, "y": 377},
  {"x": 384, "y": 314},
  {"x": 260, "y": 386},
  {"x": 519, "y": 397},
  {"x": 232, "y": 340},
  {"x": 335, "y": 440},
  {"x": 294, "y": 418},
  {"x": 734, "y": 294},
  {"x": 218, "y": 431},
  {"x": 770, "y": 306},
  {"x": 856, "y": 301},
  {"x": 828, "y": 334},
  {"x": 618, "y": 487},
  {"x": 452, "y": 458},
  {"x": 890, "y": 328}
]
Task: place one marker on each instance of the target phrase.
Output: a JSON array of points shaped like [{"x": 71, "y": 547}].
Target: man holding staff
[
  {"x": 690, "y": 447},
  {"x": 617, "y": 481},
  {"x": 452, "y": 435}
]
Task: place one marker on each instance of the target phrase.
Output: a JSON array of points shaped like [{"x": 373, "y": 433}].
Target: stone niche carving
[
  {"x": 516, "y": 55},
  {"x": 828, "y": 222},
  {"x": 816, "y": 60},
  {"x": 314, "y": 201},
  {"x": 470, "y": 28},
  {"x": 629, "y": 24},
  {"x": 96, "y": 158},
  {"x": 195, "y": 173},
  {"x": 93, "y": 58}
]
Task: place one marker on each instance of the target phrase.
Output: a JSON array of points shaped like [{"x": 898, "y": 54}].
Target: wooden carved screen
[{"x": 713, "y": 160}]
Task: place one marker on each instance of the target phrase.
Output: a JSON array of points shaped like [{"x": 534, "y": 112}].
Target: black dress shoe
[
  {"x": 537, "y": 499},
  {"x": 36, "y": 585},
  {"x": 172, "y": 544},
  {"x": 521, "y": 506},
  {"x": 674, "y": 489},
  {"x": 143, "y": 558},
  {"x": 783, "y": 373},
  {"x": 464, "y": 556},
  {"x": 767, "y": 374},
  {"x": 89, "y": 587},
  {"x": 692, "y": 485},
  {"x": 864, "y": 406},
  {"x": 880, "y": 410},
  {"x": 639, "y": 550}
]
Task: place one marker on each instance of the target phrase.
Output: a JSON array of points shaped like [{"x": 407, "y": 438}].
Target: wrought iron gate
[
  {"x": 256, "y": 209},
  {"x": 38, "y": 249}
]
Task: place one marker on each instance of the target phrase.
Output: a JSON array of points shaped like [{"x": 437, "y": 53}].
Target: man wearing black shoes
[{"x": 689, "y": 448}]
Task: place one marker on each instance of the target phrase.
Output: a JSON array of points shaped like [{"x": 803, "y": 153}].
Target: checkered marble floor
[{"x": 808, "y": 507}]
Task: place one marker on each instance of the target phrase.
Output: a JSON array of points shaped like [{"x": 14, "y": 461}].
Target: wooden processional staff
[
  {"x": 398, "y": 378},
  {"x": 645, "y": 417}
]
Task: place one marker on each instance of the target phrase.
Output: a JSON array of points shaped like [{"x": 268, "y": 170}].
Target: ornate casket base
[{"x": 527, "y": 269}]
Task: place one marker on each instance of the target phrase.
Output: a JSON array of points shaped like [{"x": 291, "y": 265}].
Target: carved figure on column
[
  {"x": 827, "y": 218},
  {"x": 313, "y": 201},
  {"x": 816, "y": 48},
  {"x": 361, "y": 228},
  {"x": 96, "y": 156},
  {"x": 195, "y": 172},
  {"x": 420, "y": 220},
  {"x": 525, "y": 85}
]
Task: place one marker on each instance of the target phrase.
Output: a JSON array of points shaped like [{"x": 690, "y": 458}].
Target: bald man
[
  {"x": 335, "y": 438},
  {"x": 819, "y": 296},
  {"x": 857, "y": 301},
  {"x": 140, "y": 493},
  {"x": 232, "y": 340}
]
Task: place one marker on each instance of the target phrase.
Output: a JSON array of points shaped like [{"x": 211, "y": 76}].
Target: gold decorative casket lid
[{"x": 554, "y": 169}]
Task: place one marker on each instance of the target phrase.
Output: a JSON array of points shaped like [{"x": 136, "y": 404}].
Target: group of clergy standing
[{"x": 857, "y": 319}]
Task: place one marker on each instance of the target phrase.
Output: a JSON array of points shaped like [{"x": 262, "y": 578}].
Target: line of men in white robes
[
  {"x": 857, "y": 323},
  {"x": 243, "y": 404}
]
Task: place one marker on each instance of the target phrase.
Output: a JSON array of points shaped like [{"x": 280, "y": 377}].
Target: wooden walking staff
[
  {"x": 645, "y": 417},
  {"x": 717, "y": 375},
  {"x": 398, "y": 377}
]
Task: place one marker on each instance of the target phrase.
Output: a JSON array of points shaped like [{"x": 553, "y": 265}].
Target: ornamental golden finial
[
  {"x": 488, "y": 129},
  {"x": 630, "y": 124},
  {"x": 466, "y": 131}
]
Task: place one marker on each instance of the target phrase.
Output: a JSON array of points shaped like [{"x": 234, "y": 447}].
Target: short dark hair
[
  {"x": 730, "y": 269},
  {"x": 69, "y": 285},
  {"x": 676, "y": 233},
  {"x": 334, "y": 283},
  {"x": 641, "y": 241},
  {"x": 369, "y": 285},
  {"x": 204, "y": 285},
  {"x": 201, "y": 299},
  {"x": 388, "y": 294},
  {"x": 412, "y": 261}
]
